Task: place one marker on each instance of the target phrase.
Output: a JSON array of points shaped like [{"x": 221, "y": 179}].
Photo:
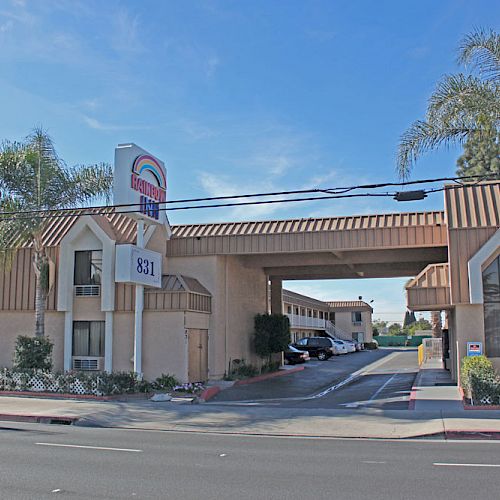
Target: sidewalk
[
  {"x": 434, "y": 390},
  {"x": 437, "y": 411}
]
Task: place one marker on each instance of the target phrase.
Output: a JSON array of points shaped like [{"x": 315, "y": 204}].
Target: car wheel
[{"x": 322, "y": 356}]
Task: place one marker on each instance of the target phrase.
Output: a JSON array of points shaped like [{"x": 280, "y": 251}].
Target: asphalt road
[
  {"x": 41, "y": 462},
  {"x": 385, "y": 382}
]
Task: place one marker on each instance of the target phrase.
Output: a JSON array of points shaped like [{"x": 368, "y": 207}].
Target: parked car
[
  {"x": 294, "y": 356},
  {"x": 318, "y": 347},
  {"x": 350, "y": 347},
  {"x": 339, "y": 347}
]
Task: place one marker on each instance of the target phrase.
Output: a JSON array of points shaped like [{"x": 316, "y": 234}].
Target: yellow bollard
[{"x": 420, "y": 354}]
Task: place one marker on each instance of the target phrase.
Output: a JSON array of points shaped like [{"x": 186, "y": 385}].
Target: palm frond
[
  {"x": 88, "y": 182},
  {"x": 481, "y": 51},
  {"x": 463, "y": 97},
  {"x": 423, "y": 136}
]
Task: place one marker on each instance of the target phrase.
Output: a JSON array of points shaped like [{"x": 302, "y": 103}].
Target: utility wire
[
  {"x": 333, "y": 191},
  {"x": 106, "y": 209}
]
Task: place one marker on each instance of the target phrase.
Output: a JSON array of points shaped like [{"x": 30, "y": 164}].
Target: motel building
[{"x": 132, "y": 293}]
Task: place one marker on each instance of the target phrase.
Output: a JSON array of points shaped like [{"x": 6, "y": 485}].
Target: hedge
[
  {"x": 82, "y": 383},
  {"x": 479, "y": 381}
]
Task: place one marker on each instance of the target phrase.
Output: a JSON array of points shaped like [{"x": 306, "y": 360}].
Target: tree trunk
[
  {"x": 40, "y": 264},
  {"x": 436, "y": 324}
]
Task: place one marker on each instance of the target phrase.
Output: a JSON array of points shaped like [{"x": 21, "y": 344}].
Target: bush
[
  {"x": 485, "y": 389},
  {"x": 480, "y": 366},
  {"x": 371, "y": 345},
  {"x": 165, "y": 382},
  {"x": 238, "y": 370},
  {"x": 33, "y": 353},
  {"x": 270, "y": 366},
  {"x": 272, "y": 334}
]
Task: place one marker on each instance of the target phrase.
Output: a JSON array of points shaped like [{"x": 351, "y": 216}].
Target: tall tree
[
  {"x": 33, "y": 179},
  {"x": 462, "y": 105},
  {"x": 481, "y": 154}
]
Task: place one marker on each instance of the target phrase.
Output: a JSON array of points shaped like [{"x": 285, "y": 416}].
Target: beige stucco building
[{"x": 216, "y": 277}]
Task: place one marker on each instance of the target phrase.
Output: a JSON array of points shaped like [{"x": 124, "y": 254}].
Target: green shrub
[
  {"x": 480, "y": 366},
  {"x": 165, "y": 382},
  {"x": 485, "y": 389},
  {"x": 272, "y": 334},
  {"x": 371, "y": 345},
  {"x": 239, "y": 369},
  {"x": 270, "y": 366},
  {"x": 33, "y": 353}
]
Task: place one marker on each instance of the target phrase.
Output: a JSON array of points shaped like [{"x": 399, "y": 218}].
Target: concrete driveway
[{"x": 380, "y": 379}]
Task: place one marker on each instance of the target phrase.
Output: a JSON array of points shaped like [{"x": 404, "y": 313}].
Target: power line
[{"x": 333, "y": 193}]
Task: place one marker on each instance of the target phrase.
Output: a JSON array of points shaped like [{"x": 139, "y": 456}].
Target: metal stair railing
[{"x": 333, "y": 331}]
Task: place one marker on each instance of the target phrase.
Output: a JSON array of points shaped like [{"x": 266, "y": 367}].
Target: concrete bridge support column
[{"x": 276, "y": 296}]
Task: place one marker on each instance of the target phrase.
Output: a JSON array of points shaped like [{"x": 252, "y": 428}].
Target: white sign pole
[{"x": 139, "y": 306}]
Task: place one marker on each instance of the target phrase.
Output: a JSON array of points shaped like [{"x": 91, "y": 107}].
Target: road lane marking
[
  {"x": 100, "y": 448},
  {"x": 374, "y": 462},
  {"x": 442, "y": 464},
  {"x": 382, "y": 387}
]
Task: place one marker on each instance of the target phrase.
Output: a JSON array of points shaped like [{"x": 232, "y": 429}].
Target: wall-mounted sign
[
  {"x": 138, "y": 266},
  {"x": 140, "y": 179},
  {"x": 474, "y": 348}
]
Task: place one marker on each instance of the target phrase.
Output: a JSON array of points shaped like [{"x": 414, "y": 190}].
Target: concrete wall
[
  {"x": 13, "y": 324},
  {"x": 238, "y": 294},
  {"x": 343, "y": 321}
]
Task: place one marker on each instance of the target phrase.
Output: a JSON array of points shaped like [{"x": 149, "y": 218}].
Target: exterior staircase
[{"x": 334, "y": 332}]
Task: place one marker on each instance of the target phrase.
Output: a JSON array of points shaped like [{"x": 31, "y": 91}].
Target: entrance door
[{"x": 198, "y": 355}]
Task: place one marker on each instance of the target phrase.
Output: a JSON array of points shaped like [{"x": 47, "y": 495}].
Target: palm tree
[
  {"x": 462, "y": 104},
  {"x": 34, "y": 178}
]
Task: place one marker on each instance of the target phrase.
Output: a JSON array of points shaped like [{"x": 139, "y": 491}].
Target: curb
[
  {"x": 260, "y": 378},
  {"x": 414, "y": 389},
  {"x": 38, "y": 419},
  {"x": 209, "y": 393}
]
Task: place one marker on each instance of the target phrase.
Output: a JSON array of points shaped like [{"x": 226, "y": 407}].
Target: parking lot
[{"x": 374, "y": 379}]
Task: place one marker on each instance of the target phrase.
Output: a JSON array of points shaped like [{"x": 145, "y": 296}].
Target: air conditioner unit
[
  {"x": 87, "y": 290},
  {"x": 88, "y": 363}
]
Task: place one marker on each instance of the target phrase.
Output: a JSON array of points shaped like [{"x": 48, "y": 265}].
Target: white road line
[
  {"x": 439, "y": 464},
  {"x": 101, "y": 448},
  {"x": 382, "y": 387},
  {"x": 373, "y": 462}
]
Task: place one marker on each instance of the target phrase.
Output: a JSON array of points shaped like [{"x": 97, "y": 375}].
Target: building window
[
  {"x": 88, "y": 338},
  {"x": 309, "y": 313},
  {"x": 321, "y": 315},
  {"x": 332, "y": 317},
  {"x": 88, "y": 267},
  {"x": 289, "y": 309},
  {"x": 302, "y": 312},
  {"x": 297, "y": 311},
  {"x": 491, "y": 295},
  {"x": 356, "y": 317}
]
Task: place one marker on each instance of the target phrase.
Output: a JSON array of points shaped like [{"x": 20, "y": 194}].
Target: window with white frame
[
  {"x": 88, "y": 338},
  {"x": 88, "y": 267}
]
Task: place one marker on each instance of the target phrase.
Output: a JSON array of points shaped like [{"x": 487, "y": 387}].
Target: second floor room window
[
  {"x": 88, "y": 267},
  {"x": 356, "y": 317}
]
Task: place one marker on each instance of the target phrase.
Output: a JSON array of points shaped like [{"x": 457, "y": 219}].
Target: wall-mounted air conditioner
[
  {"x": 87, "y": 290},
  {"x": 86, "y": 363}
]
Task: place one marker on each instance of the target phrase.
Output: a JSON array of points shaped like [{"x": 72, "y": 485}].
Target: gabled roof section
[
  {"x": 122, "y": 227},
  {"x": 349, "y": 305},
  {"x": 179, "y": 283},
  {"x": 390, "y": 220}
]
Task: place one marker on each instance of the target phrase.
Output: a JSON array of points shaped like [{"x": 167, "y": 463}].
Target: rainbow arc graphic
[{"x": 147, "y": 163}]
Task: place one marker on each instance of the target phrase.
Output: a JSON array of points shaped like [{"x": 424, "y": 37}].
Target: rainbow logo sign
[{"x": 147, "y": 163}]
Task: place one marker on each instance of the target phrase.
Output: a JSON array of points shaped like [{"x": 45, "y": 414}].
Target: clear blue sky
[{"x": 239, "y": 96}]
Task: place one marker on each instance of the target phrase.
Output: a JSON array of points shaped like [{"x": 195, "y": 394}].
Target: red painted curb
[
  {"x": 210, "y": 393},
  {"x": 259, "y": 378},
  {"x": 38, "y": 419}
]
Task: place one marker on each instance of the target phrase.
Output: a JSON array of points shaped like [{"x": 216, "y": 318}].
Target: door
[{"x": 198, "y": 355}]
